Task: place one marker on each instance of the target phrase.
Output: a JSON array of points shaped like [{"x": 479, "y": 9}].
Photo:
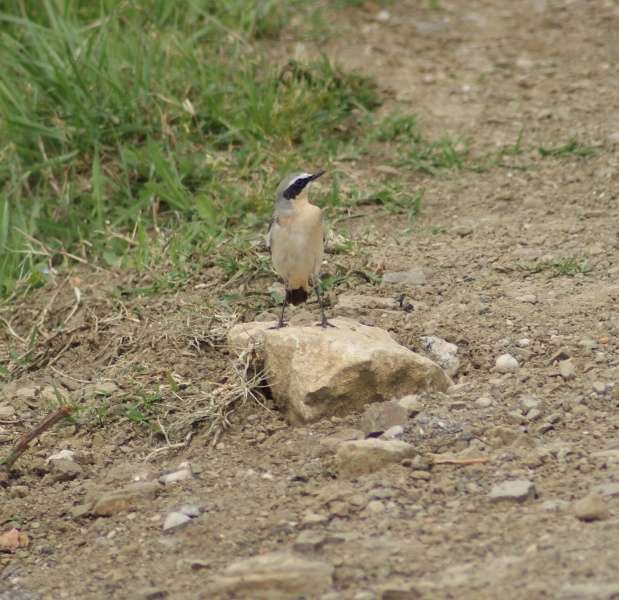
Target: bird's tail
[{"x": 296, "y": 297}]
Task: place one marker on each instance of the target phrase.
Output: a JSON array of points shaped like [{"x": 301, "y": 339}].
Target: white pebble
[
  {"x": 506, "y": 363},
  {"x": 393, "y": 432},
  {"x": 174, "y": 520}
]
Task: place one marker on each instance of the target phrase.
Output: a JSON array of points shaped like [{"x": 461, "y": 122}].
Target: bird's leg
[
  {"x": 324, "y": 323},
  {"x": 281, "y": 316}
]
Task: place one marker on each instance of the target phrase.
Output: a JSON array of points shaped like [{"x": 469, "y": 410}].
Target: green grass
[
  {"x": 150, "y": 135},
  {"x": 563, "y": 266},
  {"x": 135, "y": 134}
]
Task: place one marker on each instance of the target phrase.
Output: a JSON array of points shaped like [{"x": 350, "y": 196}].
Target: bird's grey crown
[{"x": 293, "y": 184}]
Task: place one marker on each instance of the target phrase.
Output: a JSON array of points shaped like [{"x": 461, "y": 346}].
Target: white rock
[
  {"x": 6, "y": 412},
  {"x": 414, "y": 276},
  {"x": 483, "y": 402},
  {"x": 444, "y": 353},
  {"x": 175, "y": 520},
  {"x": 190, "y": 510},
  {"x": 506, "y": 363},
  {"x": 567, "y": 369},
  {"x": 62, "y": 455},
  {"x": 360, "y": 457},
  {"x": 515, "y": 491},
  {"x": 412, "y": 404},
  {"x": 176, "y": 476},
  {"x": 393, "y": 432},
  {"x": 272, "y": 575},
  {"x": 317, "y": 373}
]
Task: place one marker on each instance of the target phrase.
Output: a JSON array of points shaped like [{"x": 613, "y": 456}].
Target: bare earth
[{"x": 483, "y": 71}]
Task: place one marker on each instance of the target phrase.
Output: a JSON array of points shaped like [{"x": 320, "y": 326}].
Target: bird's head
[{"x": 295, "y": 184}]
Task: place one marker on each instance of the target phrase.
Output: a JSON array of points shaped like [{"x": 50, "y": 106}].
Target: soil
[{"x": 483, "y": 71}]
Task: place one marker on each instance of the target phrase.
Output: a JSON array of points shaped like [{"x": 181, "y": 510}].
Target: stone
[
  {"x": 396, "y": 431},
  {"x": 369, "y": 456},
  {"x": 374, "y": 507},
  {"x": 514, "y": 491},
  {"x": 506, "y": 435},
  {"x": 412, "y": 405},
  {"x": 483, "y": 402},
  {"x": 444, "y": 353},
  {"x": 19, "y": 594},
  {"x": 7, "y": 412},
  {"x": 80, "y": 511},
  {"x": 528, "y": 403},
  {"x": 506, "y": 363},
  {"x": 357, "y": 302},
  {"x": 175, "y": 520},
  {"x": 399, "y": 591},
  {"x": 64, "y": 470},
  {"x": 599, "y": 387},
  {"x": 606, "y": 489},
  {"x": 127, "y": 472},
  {"x": 151, "y": 593},
  {"x": 560, "y": 355},
  {"x": 176, "y": 476},
  {"x": 414, "y": 276},
  {"x": 613, "y": 138},
  {"x": 313, "y": 520},
  {"x": 272, "y": 575},
  {"x": 191, "y": 510},
  {"x": 309, "y": 541},
  {"x": 316, "y": 373},
  {"x": 380, "y": 416},
  {"x": 534, "y": 415},
  {"x": 591, "y": 508},
  {"x": 567, "y": 370},
  {"x": 130, "y": 497},
  {"x": 330, "y": 443},
  {"x": 588, "y": 591}
]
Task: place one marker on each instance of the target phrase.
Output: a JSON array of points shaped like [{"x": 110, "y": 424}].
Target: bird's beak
[{"x": 317, "y": 175}]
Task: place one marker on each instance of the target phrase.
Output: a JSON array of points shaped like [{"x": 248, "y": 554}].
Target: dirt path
[{"x": 488, "y": 243}]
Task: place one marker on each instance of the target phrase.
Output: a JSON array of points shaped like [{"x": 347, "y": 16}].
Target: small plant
[
  {"x": 436, "y": 230},
  {"x": 565, "y": 266},
  {"x": 572, "y": 147}
]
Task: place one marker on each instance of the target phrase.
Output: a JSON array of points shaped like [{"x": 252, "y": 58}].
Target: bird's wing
[{"x": 269, "y": 239}]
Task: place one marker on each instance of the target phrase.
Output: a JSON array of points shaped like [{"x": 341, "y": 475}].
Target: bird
[{"x": 295, "y": 239}]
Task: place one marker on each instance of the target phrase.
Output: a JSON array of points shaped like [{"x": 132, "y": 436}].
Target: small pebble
[
  {"x": 175, "y": 520},
  {"x": 591, "y": 508},
  {"x": 506, "y": 363}
]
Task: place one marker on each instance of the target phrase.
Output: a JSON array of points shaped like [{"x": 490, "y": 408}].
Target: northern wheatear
[{"x": 296, "y": 240}]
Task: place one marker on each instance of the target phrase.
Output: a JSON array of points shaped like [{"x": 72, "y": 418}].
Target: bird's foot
[
  {"x": 278, "y": 326},
  {"x": 324, "y": 324}
]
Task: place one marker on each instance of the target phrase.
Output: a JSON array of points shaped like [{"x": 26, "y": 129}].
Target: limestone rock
[
  {"x": 316, "y": 373},
  {"x": 414, "y": 276},
  {"x": 591, "y": 508},
  {"x": 273, "y": 575},
  {"x": 127, "y": 498},
  {"x": 368, "y": 456},
  {"x": 379, "y": 417},
  {"x": 64, "y": 470},
  {"x": 444, "y": 353},
  {"x": 506, "y": 363},
  {"x": 412, "y": 404},
  {"x": 567, "y": 369},
  {"x": 515, "y": 491}
]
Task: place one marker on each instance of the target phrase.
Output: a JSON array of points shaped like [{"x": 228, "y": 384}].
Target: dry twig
[
  {"x": 23, "y": 441},
  {"x": 478, "y": 460}
]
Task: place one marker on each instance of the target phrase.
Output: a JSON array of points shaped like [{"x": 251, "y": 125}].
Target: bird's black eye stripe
[{"x": 296, "y": 188}]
